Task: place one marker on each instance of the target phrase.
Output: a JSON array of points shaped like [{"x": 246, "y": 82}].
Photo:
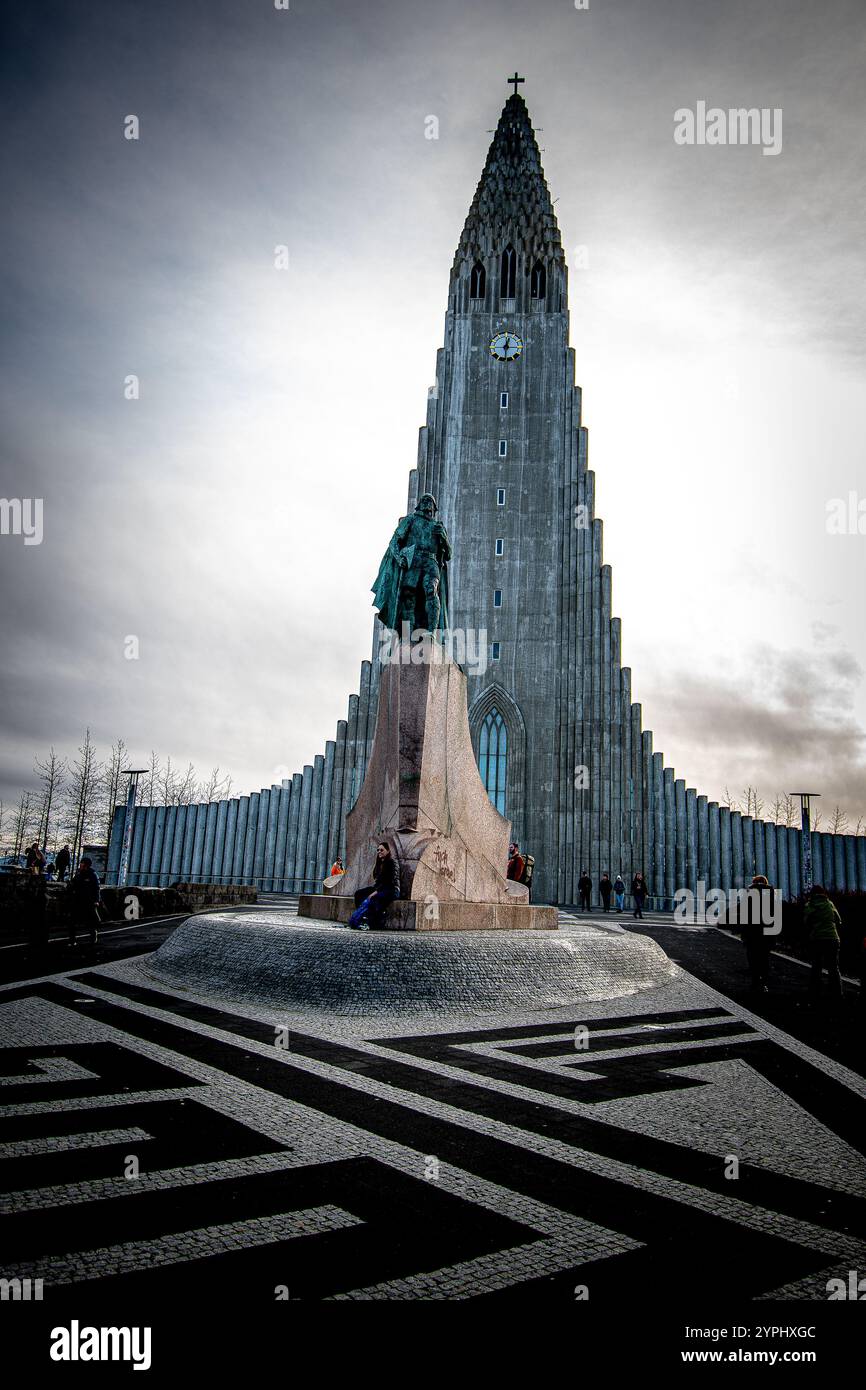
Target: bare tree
[
  {"x": 110, "y": 783},
  {"x": 858, "y": 829},
  {"x": 24, "y": 818},
  {"x": 51, "y": 772},
  {"x": 166, "y": 784},
  {"x": 754, "y": 804},
  {"x": 186, "y": 789},
  {"x": 216, "y": 788},
  {"x": 728, "y": 800},
  {"x": 151, "y": 782},
  {"x": 838, "y": 821},
  {"x": 82, "y": 795}
]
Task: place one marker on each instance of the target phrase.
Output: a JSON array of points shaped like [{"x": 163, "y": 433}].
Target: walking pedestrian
[
  {"x": 62, "y": 861},
  {"x": 605, "y": 887},
  {"x": 822, "y": 923},
  {"x": 755, "y": 939},
  {"x": 584, "y": 888},
  {"x": 84, "y": 898},
  {"x": 638, "y": 893},
  {"x": 35, "y": 860},
  {"x": 619, "y": 893},
  {"x": 372, "y": 902}
]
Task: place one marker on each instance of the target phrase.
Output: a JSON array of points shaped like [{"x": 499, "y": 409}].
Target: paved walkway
[{"x": 153, "y": 1142}]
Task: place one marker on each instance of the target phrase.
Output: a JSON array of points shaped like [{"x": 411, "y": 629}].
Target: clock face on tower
[{"x": 506, "y": 347}]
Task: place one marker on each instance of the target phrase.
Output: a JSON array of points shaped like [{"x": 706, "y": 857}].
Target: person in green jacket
[{"x": 822, "y": 923}]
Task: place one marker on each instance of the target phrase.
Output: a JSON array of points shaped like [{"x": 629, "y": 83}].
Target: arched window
[
  {"x": 477, "y": 281},
  {"x": 538, "y": 284},
  {"x": 507, "y": 272},
  {"x": 492, "y": 755}
]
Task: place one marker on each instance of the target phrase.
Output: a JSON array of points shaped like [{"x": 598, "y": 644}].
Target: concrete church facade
[{"x": 560, "y": 743}]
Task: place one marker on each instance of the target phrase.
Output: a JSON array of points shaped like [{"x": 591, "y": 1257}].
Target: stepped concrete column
[
  {"x": 292, "y": 837},
  {"x": 794, "y": 862},
  {"x": 702, "y": 863},
  {"x": 758, "y": 832},
  {"x": 838, "y": 842},
  {"x": 207, "y": 857},
  {"x": 282, "y": 834},
  {"x": 726, "y": 858},
  {"x": 248, "y": 844},
  {"x": 258, "y": 874},
  {"x": 861, "y": 862},
  {"x": 240, "y": 840},
  {"x": 737, "y": 849},
  {"x": 659, "y": 846},
  {"x": 691, "y": 878},
  {"x": 680, "y": 833},
  {"x": 322, "y": 863},
  {"x": 714, "y": 870},
  {"x": 850, "y": 863},
  {"x": 218, "y": 841},
  {"x": 670, "y": 811},
  {"x": 229, "y": 840},
  {"x": 770, "y": 858},
  {"x": 784, "y": 878},
  {"x": 168, "y": 836},
  {"x": 198, "y": 842},
  {"x": 747, "y": 825}
]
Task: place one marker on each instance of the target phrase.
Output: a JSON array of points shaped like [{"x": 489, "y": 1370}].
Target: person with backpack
[
  {"x": 516, "y": 863},
  {"x": 822, "y": 922},
  {"x": 84, "y": 898},
  {"x": 528, "y": 870},
  {"x": 619, "y": 893},
  {"x": 61, "y": 862}
]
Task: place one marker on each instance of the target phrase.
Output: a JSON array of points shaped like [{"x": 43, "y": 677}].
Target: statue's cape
[{"x": 386, "y": 586}]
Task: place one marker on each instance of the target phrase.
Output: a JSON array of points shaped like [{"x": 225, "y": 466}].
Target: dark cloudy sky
[{"x": 233, "y": 517}]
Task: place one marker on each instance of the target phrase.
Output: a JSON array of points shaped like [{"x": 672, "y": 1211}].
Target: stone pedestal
[{"x": 423, "y": 795}]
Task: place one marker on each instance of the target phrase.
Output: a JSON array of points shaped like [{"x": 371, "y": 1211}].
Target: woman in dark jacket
[
  {"x": 638, "y": 893},
  {"x": 384, "y": 889}
]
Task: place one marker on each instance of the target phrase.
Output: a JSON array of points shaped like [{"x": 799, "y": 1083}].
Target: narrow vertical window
[
  {"x": 500, "y": 546},
  {"x": 500, "y": 497},
  {"x": 538, "y": 281},
  {"x": 507, "y": 272},
  {"x": 497, "y": 598},
  {"x": 493, "y": 753},
  {"x": 503, "y": 400},
  {"x": 477, "y": 281},
  {"x": 494, "y": 651},
  {"x": 503, "y": 448}
]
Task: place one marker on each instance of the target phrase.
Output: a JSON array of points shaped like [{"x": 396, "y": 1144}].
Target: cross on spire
[{"x": 514, "y": 80}]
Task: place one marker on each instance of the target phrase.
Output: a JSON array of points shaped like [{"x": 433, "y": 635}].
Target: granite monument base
[{"x": 436, "y": 916}]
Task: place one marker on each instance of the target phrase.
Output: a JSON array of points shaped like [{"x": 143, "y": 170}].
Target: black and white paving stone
[{"x": 151, "y": 1139}]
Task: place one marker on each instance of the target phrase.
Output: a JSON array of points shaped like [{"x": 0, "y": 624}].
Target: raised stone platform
[
  {"x": 273, "y": 959},
  {"x": 438, "y": 916}
]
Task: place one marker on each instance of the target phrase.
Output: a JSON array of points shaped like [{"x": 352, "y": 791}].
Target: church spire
[{"x": 512, "y": 204}]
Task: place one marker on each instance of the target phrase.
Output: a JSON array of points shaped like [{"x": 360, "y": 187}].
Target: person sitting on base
[
  {"x": 516, "y": 863},
  {"x": 337, "y": 868},
  {"x": 372, "y": 902}
]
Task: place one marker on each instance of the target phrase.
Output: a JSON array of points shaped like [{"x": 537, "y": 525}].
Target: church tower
[{"x": 502, "y": 450}]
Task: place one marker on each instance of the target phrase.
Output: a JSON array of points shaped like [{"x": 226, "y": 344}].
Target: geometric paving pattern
[{"x": 148, "y": 1139}]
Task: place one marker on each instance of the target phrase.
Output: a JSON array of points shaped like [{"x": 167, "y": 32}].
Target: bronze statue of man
[{"x": 412, "y": 584}]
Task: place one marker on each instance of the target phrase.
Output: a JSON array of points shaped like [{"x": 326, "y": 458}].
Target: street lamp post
[
  {"x": 805, "y": 839},
  {"x": 123, "y": 867}
]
